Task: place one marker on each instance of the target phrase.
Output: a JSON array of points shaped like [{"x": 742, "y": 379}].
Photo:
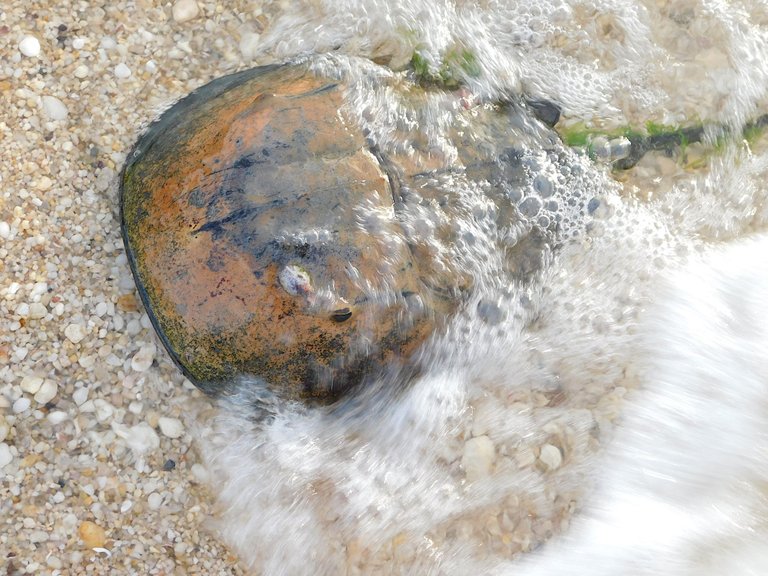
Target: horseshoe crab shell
[{"x": 241, "y": 211}]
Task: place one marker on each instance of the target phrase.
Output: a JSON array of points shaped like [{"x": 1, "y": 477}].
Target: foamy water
[{"x": 605, "y": 401}]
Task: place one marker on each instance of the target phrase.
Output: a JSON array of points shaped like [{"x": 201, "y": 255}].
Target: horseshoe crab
[
  {"x": 240, "y": 211},
  {"x": 269, "y": 236}
]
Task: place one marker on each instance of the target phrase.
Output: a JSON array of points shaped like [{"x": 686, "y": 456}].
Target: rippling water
[{"x": 599, "y": 403}]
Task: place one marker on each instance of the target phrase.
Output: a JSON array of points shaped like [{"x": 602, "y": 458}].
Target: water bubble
[
  {"x": 543, "y": 186},
  {"x": 530, "y": 206}
]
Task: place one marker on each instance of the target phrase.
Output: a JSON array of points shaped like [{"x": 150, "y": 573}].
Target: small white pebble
[
  {"x": 75, "y": 333},
  {"x": 154, "y": 500},
  {"x": 551, "y": 457},
  {"x": 104, "y": 410},
  {"x": 5, "y": 455},
  {"x": 249, "y": 45},
  {"x": 5, "y": 230},
  {"x": 150, "y": 66},
  {"x": 478, "y": 456},
  {"x": 31, "y": 384},
  {"x": 29, "y": 46},
  {"x": 43, "y": 183},
  {"x": 54, "y": 108},
  {"x": 37, "y": 310},
  {"x": 171, "y": 427},
  {"x": 81, "y": 71},
  {"x": 143, "y": 359},
  {"x": 22, "y": 310},
  {"x": 140, "y": 438},
  {"x": 101, "y": 309},
  {"x": 199, "y": 472},
  {"x": 21, "y": 405},
  {"x": 57, "y": 417},
  {"x": 185, "y": 10},
  {"x": 78, "y": 43},
  {"x": 47, "y": 392},
  {"x": 80, "y": 395},
  {"x": 122, "y": 71},
  {"x": 125, "y": 506}
]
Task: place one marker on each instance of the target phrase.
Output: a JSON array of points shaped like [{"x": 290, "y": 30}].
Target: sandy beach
[{"x": 97, "y": 470}]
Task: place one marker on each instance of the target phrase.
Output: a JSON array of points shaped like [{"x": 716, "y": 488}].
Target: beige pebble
[
  {"x": 5, "y": 455},
  {"x": 92, "y": 535},
  {"x": 37, "y": 310},
  {"x": 551, "y": 457},
  {"x": 54, "y": 108},
  {"x": 171, "y": 427},
  {"x": 143, "y": 359},
  {"x": 31, "y": 384},
  {"x": 75, "y": 333},
  {"x": 81, "y": 71},
  {"x": 185, "y": 10},
  {"x": 477, "y": 460},
  {"x": 44, "y": 183},
  {"x": 47, "y": 392}
]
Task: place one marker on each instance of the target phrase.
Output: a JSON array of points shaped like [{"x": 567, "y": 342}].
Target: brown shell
[{"x": 237, "y": 194}]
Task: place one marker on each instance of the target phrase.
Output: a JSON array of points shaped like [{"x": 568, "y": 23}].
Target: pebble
[
  {"x": 171, "y": 427},
  {"x": 143, "y": 359},
  {"x": 75, "y": 333},
  {"x": 21, "y": 405},
  {"x": 154, "y": 501},
  {"x": 5, "y": 428},
  {"x": 37, "y": 310},
  {"x": 80, "y": 395},
  {"x": 249, "y": 45},
  {"x": 104, "y": 410},
  {"x": 78, "y": 43},
  {"x": 5, "y": 230},
  {"x": 92, "y": 535},
  {"x": 29, "y": 46},
  {"x": 122, "y": 71},
  {"x": 478, "y": 456},
  {"x": 81, "y": 71},
  {"x": 551, "y": 457},
  {"x": 5, "y": 455},
  {"x": 57, "y": 417},
  {"x": 54, "y": 108},
  {"x": 185, "y": 10},
  {"x": 43, "y": 183},
  {"x": 142, "y": 438},
  {"x": 199, "y": 472},
  {"x": 47, "y": 392},
  {"x": 31, "y": 384}
]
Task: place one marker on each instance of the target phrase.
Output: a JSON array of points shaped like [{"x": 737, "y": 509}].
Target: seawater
[{"x": 605, "y": 413}]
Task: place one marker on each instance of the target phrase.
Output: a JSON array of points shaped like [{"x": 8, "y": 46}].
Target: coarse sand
[{"x": 98, "y": 473}]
